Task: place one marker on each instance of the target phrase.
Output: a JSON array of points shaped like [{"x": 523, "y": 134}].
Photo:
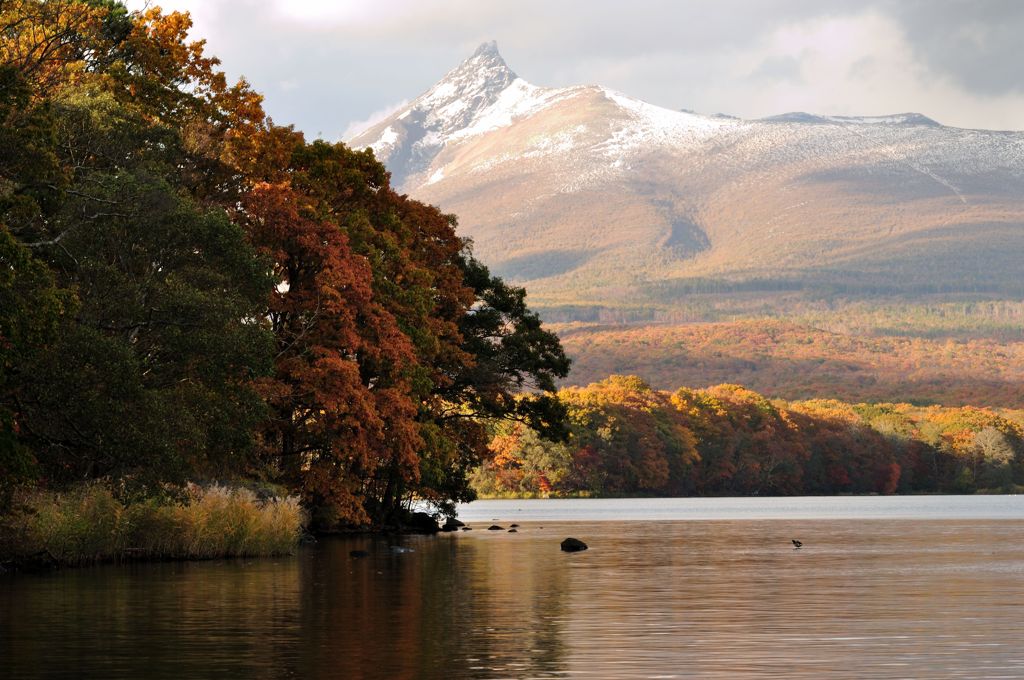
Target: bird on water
[{"x": 797, "y": 544}]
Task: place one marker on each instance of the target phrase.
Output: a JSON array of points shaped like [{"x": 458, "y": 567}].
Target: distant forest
[
  {"x": 946, "y": 353},
  {"x": 628, "y": 439}
]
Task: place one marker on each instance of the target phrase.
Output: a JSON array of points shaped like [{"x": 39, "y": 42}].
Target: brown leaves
[
  {"x": 44, "y": 41},
  {"x": 342, "y": 406}
]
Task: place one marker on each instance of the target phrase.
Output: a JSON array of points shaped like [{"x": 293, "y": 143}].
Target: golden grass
[{"x": 90, "y": 524}]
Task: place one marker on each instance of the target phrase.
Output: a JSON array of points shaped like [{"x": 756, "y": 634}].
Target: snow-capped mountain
[{"x": 589, "y": 195}]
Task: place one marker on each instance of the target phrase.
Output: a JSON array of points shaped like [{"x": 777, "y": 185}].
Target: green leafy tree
[{"x": 149, "y": 378}]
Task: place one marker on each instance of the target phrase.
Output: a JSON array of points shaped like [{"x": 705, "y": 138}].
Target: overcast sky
[{"x": 329, "y": 66}]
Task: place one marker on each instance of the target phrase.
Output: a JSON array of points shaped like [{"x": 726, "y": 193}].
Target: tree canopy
[
  {"x": 191, "y": 291},
  {"x": 726, "y": 440}
]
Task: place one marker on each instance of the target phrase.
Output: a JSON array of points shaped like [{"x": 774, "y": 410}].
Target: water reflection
[
  {"x": 862, "y": 599},
  {"x": 151, "y": 620},
  {"x": 455, "y": 607}
]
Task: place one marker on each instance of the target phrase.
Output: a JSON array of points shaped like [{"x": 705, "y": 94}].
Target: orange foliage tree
[{"x": 737, "y": 442}]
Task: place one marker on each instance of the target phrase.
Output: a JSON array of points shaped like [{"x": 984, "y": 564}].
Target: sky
[{"x": 332, "y": 67}]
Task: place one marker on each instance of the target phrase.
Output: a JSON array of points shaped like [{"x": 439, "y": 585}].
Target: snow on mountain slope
[
  {"x": 479, "y": 95},
  {"x": 590, "y": 195}
]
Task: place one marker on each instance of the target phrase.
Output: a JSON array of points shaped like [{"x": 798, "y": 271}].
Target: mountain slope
[{"x": 588, "y": 196}]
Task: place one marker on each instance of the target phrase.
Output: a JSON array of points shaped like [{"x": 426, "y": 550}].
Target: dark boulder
[
  {"x": 573, "y": 545},
  {"x": 513, "y": 531},
  {"x": 495, "y": 527},
  {"x": 467, "y": 528},
  {"x": 421, "y": 523},
  {"x": 513, "y": 525},
  {"x": 452, "y": 524}
]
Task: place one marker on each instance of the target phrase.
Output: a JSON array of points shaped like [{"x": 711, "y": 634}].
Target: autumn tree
[
  {"x": 339, "y": 398},
  {"x": 436, "y": 347}
]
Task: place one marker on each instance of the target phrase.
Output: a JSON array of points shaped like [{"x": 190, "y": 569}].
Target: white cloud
[
  {"x": 851, "y": 65},
  {"x": 321, "y": 63},
  {"x": 321, "y": 12},
  {"x": 357, "y": 126}
]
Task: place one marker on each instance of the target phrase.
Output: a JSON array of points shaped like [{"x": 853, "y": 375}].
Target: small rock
[
  {"x": 467, "y": 528},
  {"x": 573, "y": 545},
  {"x": 513, "y": 525},
  {"x": 513, "y": 531},
  {"x": 495, "y": 527},
  {"x": 358, "y": 553},
  {"x": 452, "y": 524}
]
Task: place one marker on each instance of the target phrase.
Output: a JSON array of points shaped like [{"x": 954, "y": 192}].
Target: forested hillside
[
  {"x": 628, "y": 439},
  {"x": 816, "y": 357},
  {"x": 190, "y": 291}
]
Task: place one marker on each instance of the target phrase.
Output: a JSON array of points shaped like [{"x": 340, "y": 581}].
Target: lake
[{"x": 884, "y": 587}]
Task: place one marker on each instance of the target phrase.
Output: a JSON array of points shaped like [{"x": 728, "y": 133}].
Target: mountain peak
[
  {"x": 410, "y": 139},
  {"x": 488, "y": 48},
  {"x": 485, "y": 68}
]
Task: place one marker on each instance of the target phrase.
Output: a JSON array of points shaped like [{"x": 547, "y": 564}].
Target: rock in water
[
  {"x": 573, "y": 545},
  {"x": 513, "y": 531},
  {"x": 452, "y": 524},
  {"x": 421, "y": 523},
  {"x": 358, "y": 553},
  {"x": 495, "y": 527}
]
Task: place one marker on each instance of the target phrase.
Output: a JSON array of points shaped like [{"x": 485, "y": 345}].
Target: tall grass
[{"x": 90, "y": 524}]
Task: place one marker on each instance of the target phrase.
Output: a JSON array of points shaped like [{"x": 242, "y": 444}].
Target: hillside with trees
[
  {"x": 627, "y": 439},
  {"x": 617, "y": 212},
  {"x": 819, "y": 356}
]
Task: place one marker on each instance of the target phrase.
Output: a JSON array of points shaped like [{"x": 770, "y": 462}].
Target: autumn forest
[{"x": 627, "y": 438}]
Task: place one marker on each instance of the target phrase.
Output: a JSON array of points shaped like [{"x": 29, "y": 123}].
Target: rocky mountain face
[{"x": 591, "y": 197}]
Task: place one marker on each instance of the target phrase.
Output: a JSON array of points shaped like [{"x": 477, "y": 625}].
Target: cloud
[
  {"x": 324, "y": 64},
  {"x": 786, "y": 67},
  {"x": 340, "y": 12},
  {"x": 356, "y": 126},
  {"x": 977, "y": 44}
]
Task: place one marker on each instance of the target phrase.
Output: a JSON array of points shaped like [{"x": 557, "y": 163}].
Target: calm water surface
[{"x": 670, "y": 588}]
